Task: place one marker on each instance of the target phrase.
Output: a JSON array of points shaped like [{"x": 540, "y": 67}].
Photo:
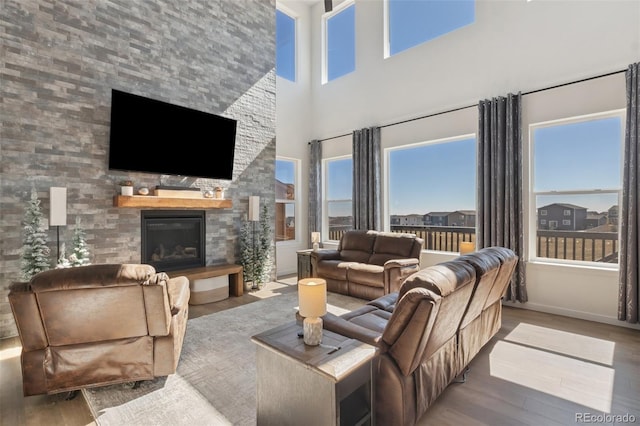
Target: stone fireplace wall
[{"x": 60, "y": 61}]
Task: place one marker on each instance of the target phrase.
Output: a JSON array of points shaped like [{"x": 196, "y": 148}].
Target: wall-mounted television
[{"x": 152, "y": 136}]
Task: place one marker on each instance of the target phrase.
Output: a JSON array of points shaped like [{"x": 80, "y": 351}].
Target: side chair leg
[
  {"x": 462, "y": 377},
  {"x": 71, "y": 395}
]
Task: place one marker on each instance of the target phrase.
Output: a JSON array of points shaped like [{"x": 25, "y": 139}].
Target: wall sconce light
[
  {"x": 312, "y": 304},
  {"x": 57, "y": 211},
  {"x": 315, "y": 240},
  {"x": 467, "y": 247}
]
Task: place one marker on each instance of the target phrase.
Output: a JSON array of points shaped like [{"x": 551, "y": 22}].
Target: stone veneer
[{"x": 59, "y": 61}]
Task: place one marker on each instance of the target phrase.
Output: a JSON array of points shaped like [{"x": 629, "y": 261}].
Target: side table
[
  {"x": 329, "y": 384},
  {"x": 304, "y": 264}
]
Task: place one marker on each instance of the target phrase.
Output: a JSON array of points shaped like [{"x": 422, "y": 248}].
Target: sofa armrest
[
  {"x": 340, "y": 325},
  {"x": 395, "y": 272},
  {"x": 179, "y": 293},
  {"x": 325, "y": 255},
  {"x": 26, "y": 314},
  {"x": 400, "y": 263}
]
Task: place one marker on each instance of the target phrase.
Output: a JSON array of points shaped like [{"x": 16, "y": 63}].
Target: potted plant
[
  {"x": 255, "y": 251},
  {"x": 126, "y": 187}
]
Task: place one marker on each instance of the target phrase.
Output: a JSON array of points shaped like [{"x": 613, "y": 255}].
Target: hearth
[{"x": 173, "y": 239}]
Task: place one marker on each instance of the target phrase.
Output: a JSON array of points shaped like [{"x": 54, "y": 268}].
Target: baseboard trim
[{"x": 571, "y": 313}]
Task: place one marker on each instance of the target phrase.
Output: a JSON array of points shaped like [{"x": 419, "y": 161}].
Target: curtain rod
[{"x": 475, "y": 105}]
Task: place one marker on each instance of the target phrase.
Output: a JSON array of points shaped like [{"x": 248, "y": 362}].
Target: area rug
[{"x": 215, "y": 383}]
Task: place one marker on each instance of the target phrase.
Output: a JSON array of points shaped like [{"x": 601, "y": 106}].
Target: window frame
[
  {"x": 387, "y": 179},
  {"x": 325, "y": 39},
  {"x": 296, "y": 201},
  {"x": 325, "y": 197},
  {"x": 532, "y": 217}
]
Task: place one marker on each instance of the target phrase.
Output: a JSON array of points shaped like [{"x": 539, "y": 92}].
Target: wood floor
[{"x": 540, "y": 369}]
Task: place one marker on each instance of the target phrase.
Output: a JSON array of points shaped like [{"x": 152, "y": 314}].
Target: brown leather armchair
[{"x": 97, "y": 325}]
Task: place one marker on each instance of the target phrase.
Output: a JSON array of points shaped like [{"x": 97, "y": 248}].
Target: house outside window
[
  {"x": 339, "y": 42},
  {"x": 423, "y": 182},
  {"x": 565, "y": 154},
  {"x": 409, "y": 23},
  {"x": 285, "y": 220},
  {"x": 285, "y": 45},
  {"x": 338, "y": 187}
]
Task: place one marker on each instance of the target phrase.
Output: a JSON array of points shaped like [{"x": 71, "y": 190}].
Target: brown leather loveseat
[
  {"x": 430, "y": 330},
  {"x": 97, "y": 325},
  {"x": 368, "y": 264}
]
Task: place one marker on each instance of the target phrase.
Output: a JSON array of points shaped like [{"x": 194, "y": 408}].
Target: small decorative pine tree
[
  {"x": 80, "y": 255},
  {"x": 246, "y": 251},
  {"x": 63, "y": 262},
  {"x": 35, "y": 252},
  {"x": 255, "y": 250},
  {"x": 263, "y": 255}
]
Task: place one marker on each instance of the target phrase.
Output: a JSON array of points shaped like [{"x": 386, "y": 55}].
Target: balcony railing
[
  {"x": 578, "y": 245},
  {"x": 570, "y": 245}
]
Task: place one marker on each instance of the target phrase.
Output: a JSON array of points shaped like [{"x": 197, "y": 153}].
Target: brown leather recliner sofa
[
  {"x": 368, "y": 264},
  {"x": 429, "y": 331},
  {"x": 97, "y": 325}
]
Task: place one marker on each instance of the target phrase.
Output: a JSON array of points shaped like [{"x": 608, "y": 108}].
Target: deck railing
[{"x": 570, "y": 245}]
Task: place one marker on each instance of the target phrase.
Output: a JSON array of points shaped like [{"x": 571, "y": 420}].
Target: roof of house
[
  {"x": 564, "y": 205},
  {"x": 438, "y": 213}
]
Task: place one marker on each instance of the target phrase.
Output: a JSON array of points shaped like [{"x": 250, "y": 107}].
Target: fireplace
[{"x": 173, "y": 239}]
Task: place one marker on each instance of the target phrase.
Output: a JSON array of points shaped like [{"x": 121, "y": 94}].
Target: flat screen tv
[{"x": 151, "y": 136}]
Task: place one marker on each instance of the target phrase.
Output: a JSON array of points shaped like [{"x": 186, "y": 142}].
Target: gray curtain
[
  {"x": 500, "y": 219},
  {"x": 315, "y": 187},
  {"x": 367, "y": 188},
  {"x": 630, "y": 241}
]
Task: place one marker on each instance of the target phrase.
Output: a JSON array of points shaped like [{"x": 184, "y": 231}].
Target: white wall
[
  {"x": 513, "y": 46},
  {"x": 294, "y": 131}
]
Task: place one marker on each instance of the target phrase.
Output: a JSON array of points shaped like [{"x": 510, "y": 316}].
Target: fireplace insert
[{"x": 173, "y": 239}]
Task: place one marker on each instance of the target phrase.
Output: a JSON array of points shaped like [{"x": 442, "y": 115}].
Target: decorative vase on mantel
[{"x": 126, "y": 188}]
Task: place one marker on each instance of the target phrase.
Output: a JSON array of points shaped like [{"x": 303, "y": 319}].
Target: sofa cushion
[
  {"x": 369, "y": 317},
  {"x": 386, "y": 302},
  {"x": 389, "y": 245},
  {"x": 364, "y": 273},
  {"x": 333, "y": 269},
  {"x": 356, "y": 246}
]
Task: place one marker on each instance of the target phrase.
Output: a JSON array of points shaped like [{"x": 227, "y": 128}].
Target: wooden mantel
[{"x": 151, "y": 201}]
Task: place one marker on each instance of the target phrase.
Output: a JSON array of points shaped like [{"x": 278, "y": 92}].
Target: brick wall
[{"x": 59, "y": 61}]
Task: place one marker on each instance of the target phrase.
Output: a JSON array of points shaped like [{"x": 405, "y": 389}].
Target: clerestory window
[{"x": 413, "y": 22}]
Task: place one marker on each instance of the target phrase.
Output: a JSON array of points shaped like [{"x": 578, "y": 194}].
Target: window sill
[{"x": 593, "y": 266}]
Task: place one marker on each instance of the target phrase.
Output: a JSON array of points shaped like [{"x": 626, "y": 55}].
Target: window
[
  {"x": 285, "y": 200},
  {"x": 576, "y": 172},
  {"x": 338, "y": 196},
  {"x": 339, "y": 42},
  {"x": 425, "y": 183},
  {"x": 285, "y": 46},
  {"x": 413, "y": 22},
  {"x": 543, "y": 222},
  {"x": 543, "y": 213}
]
